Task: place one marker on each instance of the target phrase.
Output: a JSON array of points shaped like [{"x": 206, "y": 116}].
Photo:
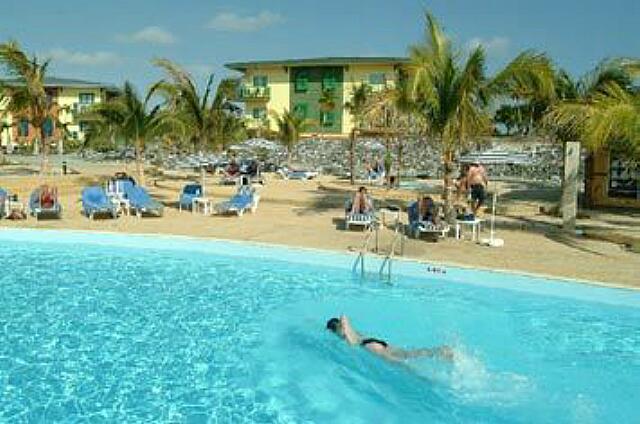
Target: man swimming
[{"x": 342, "y": 327}]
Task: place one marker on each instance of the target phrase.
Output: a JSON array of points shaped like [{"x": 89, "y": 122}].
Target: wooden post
[{"x": 570, "y": 186}]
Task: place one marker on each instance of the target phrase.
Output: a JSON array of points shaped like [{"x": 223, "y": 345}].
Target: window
[
  {"x": 259, "y": 113},
  {"x": 301, "y": 110},
  {"x": 329, "y": 82},
  {"x": 302, "y": 82},
  {"x": 23, "y": 128},
  {"x": 327, "y": 119},
  {"x": 47, "y": 127},
  {"x": 260, "y": 81},
  {"x": 86, "y": 98},
  {"x": 377, "y": 78},
  {"x": 624, "y": 177},
  {"x": 83, "y": 126}
]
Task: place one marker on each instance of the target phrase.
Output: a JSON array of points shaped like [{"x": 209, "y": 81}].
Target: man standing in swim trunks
[
  {"x": 342, "y": 327},
  {"x": 477, "y": 181}
]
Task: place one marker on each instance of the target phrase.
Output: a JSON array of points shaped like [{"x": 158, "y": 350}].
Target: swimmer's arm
[{"x": 350, "y": 335}]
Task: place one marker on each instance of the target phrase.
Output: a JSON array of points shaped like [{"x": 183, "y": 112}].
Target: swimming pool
[{"x": 112, "y": 328}]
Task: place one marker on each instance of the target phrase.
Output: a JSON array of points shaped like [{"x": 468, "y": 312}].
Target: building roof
[
  {"x": 64, "y": 82},
  {"x": 319, "y": 61}
]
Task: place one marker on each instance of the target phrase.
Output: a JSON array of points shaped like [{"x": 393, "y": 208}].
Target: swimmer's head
[{"x": 334, "y": 325}]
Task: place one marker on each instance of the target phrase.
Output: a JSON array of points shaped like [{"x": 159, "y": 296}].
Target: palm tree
[
  {"x": 327, "y": 104},
  {"x": 131, "y": 118},
  {"x": 26, "y": 93},
  {"x": 205, "y": 115},
  {"x": 290, "y": 126},
  {"x": 357, "y": 107},
  {"x": 601, "y": 108},
  {"x": 393, "y": 111},
  {"x": 452, "y": 95}
]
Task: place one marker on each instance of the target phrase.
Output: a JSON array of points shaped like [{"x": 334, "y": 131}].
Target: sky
[{"x": 112, "y": 41}]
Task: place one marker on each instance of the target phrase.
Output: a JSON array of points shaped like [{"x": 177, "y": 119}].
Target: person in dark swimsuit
[{"x": 342, "y": 327}]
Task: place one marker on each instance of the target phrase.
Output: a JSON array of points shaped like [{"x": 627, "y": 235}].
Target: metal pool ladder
[
  {"x": 399, "y": 237},
  {"x": 373, "y": 231}
]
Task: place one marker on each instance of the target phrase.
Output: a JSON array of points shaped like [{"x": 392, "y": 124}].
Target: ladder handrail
[
  {"x": 399, "y": 236},
  {"x": 364, "y": 249}
]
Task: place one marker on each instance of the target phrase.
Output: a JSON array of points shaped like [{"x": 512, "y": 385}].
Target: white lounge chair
[
  {"x": 418, "y": 227},
  {"x": 358, "y": 219}
]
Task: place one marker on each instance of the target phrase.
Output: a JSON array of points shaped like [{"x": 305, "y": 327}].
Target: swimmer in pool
[{"x": 342, "y": 327}]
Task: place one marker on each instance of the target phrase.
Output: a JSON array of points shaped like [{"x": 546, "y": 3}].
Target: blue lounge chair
[
  {"x": 4, "y": 196},
  {"x": 95, "y": 201},
  {"x": 140, "y": 200},
  {"x": 189, "y": 192},
  {"x": 44, "y": 202},
  {"x": 417, "y": 226},
  {"x": 246, "y": 199}
]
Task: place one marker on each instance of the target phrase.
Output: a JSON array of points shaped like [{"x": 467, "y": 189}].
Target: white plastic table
[
  {"x": 124, "y": 205},
  {"x": 204, "y": 202},
  {"x": 390, "y": 215},
  {"x": 476, "y": 227}
]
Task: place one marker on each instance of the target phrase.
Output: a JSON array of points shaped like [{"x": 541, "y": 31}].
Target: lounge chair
[
  {"x": 44, "y": 202},
  {"x": 4, "y": 199},
  {"x": 117, "y": 187},
  {"x": 365, "y": 220},
  {"x": 189, "y": 192},
  {"x": 246, "y": 199},
  {"x": 140, "y": 200},
  {"x": 95, "y": 201},
  {"x": 292, "y": 174},
  {"x": 417, "y": 227}
]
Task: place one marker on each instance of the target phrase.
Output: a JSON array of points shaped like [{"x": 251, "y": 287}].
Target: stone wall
[{"x": 535, "y": 159}]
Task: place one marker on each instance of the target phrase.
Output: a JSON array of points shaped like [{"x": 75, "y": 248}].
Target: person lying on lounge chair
[
  {"x": 232, "y": 170},
  {"x": 342, "y": 328},
  {"x": 361, "y": 203}
]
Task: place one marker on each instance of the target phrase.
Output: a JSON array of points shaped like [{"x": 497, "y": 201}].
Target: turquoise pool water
[{"x": 107, "y": 328}]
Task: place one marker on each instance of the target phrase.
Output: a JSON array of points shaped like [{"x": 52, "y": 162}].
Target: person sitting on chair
[
  {"x": 361, "y": 203},
  {"x": 428, "y": 210},
  {"x": 342, "y": 328}
]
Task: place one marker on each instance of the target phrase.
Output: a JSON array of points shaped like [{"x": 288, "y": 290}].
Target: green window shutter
[
  {"x": 302, "y": 82},
  {"x": 47, "y": 127},
  {"x": 23, "y": 128},
  {"x": 327, "y": 119},
  {"x": 301, "y": 110},
  {"x": 259, "y": 113},
  {"x": 329, "y": 82},
  {"x": 260, "y": 81}
]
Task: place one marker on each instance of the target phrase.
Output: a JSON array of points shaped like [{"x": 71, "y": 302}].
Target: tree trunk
[
  {"x": 139, "y": 161},
  {"x": 399, "y": 162},
  {"x": 44, "y": 164},
  {"x": 352, "y": 154},
  {"x": 447, "y": 195}
]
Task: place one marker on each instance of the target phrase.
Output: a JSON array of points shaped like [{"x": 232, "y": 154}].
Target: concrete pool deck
[{"x": 304, "y": 214}]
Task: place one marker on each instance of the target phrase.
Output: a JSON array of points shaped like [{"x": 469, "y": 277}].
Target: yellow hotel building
[
  {"x": 298, "y": 84},
  {"x": 72, "y": 97}
]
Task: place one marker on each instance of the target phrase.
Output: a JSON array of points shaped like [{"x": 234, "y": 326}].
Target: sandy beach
[{"x": 309, "y": 214}]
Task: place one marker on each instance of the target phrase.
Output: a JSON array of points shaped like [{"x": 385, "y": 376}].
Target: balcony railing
[{"x": 252, "y": 92}]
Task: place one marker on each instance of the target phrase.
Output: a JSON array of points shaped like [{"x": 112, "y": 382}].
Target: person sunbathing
[
  {"x": 232, "y": 170},
  {"x": 361, "y": 203},
  {"x": 47, "y": 198},
  {"x": 342, "y": 327}
]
